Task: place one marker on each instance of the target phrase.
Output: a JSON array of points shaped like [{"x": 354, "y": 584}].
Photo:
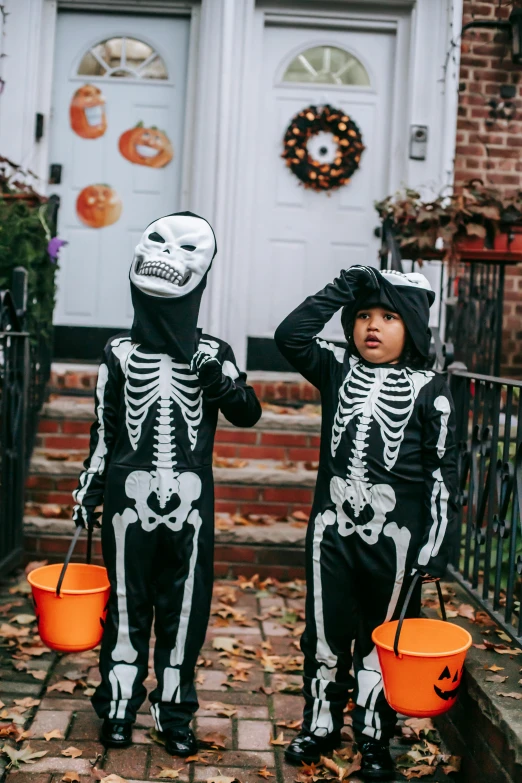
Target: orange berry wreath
[{"x": 323, "y": 147}]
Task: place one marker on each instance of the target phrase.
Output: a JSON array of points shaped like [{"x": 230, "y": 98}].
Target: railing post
[{"x": 19, "y": 293}]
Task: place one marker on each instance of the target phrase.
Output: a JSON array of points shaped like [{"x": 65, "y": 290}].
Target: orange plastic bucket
[
  {"x": 71, "y": 615},
  {"x": 424, "y": 679},
  {"x": 422, "y": 661}
]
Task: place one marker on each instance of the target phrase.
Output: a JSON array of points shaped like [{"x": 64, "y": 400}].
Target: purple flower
[{"x": 53, "y": 248}]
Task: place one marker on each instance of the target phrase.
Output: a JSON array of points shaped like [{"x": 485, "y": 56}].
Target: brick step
[
  {"x": 275, "y": 550},
  {"x": 65, "y": 426},
  {"x": 257, "y": 487},
  {"x": 74, "y": 378}
]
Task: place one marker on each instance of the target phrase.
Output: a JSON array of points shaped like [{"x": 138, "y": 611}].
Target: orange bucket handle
[
  {"x": 70, "y": 551},
  {"x": 404, "y": 609}
]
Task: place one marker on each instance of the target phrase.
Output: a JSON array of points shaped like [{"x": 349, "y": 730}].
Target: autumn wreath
[{"x": 323, "y": 147}]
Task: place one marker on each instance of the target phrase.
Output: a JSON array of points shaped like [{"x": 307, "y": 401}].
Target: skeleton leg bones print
[{"x": 387, "y": 397}]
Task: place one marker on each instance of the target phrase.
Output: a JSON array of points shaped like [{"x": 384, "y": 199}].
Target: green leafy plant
[
  {"x": 26, "y": 241},
  {"x": 436, "y": 227}
]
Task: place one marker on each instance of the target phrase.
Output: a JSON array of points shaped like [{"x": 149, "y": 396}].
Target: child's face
[{"x": 379, "y": 335}]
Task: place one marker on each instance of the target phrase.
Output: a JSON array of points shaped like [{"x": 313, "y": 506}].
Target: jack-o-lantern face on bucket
[
  {"x": 146, "y": 146},
  {"x": 87, "y": 112},
  {"x": 98, "y": 206},
  {"x": 448, "y": 684}
]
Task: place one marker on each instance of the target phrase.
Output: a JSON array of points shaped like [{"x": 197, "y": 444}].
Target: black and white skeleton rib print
[
  {"x": 384, "y": 502},
  {"x": 150, "y": 464}
]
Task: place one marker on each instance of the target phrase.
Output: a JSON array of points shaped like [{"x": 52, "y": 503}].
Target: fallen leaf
[
  {"x": 24, "y": 619},
  {"x": 453, "y": 765},
  {"x": 72, "y": 752},
  {"x": 215, "y": 740},
  {"x": 169, "y": 773},
  {"x": 71, "y": 777},
  {"x": 33, "y": 565},
  {"x": 113, "y": 779},
  {"x": 226, "y": 643},
  {"x": 54, "y": 734},
  {"x": 220, "y": 709},
  {"x": 339, "y": 771},
  {"x": 27, "y": 702},
  {"x": 25, "y": 755},
  {"x": 495, "y": 668},
  {"x": 498, "y": 678},
  {"x": 510, "y": 695},
  {"x": 10, "y": 632},
  {"x": 221, "y": 779},
  {"x": 280, "y": 740},
  {"x": 38, "y": 674},
  {"x": 63, "y": 686},
  {"x": 507, "y": 652},
  {"x": 156, "y": 736},
  {"x": 418, "y": 772},
  {"x": 468, "y": 611},
  {"x": 264, "y": 773}
]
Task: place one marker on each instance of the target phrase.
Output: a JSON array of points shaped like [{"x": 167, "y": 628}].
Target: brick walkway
[{"x": 263, "y": 626}]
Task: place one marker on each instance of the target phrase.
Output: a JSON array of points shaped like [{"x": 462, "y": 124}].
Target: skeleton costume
[
  {"x": 158, "y": 394},
  {"x": 385, "y": 496}
]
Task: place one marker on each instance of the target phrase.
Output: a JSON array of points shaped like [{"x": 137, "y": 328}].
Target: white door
[
  {"x": 117, "y": 132},
  {"x": 304, "y": 237}
]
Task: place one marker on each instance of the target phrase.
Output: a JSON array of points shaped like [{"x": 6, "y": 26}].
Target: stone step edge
[
  {"x": 492, "y": 749},
  {"x": 251, "y": 474},
  {"x": 70, "y": 408},
  {"x": 278, "y": 534}
]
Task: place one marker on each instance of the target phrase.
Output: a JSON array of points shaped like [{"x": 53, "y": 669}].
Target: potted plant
[{"x": 474, "y": 223}]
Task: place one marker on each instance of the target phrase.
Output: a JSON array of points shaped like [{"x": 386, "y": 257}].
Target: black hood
[
  {"x": 399, "y": 293},
  {"x": 169, "y": 325}
]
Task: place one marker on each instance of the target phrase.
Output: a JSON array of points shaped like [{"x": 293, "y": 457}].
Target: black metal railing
[
  {"x": 474, "y": 303},
  {"x": 487, "y": 557},
  {"x": 14, "y": 387},
  {"x": 471, "y": 305}
]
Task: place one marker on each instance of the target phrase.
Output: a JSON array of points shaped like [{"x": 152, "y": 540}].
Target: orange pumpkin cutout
[
  {"x": 98, "y": 206},
  {"x": 446, "y": 694},
  {"x": 87, "y": 112},
  {"x": 146, "y": 146}
]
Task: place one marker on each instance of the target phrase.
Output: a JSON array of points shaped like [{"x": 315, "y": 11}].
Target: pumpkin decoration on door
[
  {"x": 146, "y": 146},
  {"x": 98, "y": 206},
  {"x": 87, "y": 112}
]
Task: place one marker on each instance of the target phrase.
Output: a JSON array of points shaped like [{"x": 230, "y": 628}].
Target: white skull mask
[{"x": 173, "y": 256}]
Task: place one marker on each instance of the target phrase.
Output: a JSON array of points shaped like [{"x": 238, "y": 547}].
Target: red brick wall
[{"x": 490, "y": 147}]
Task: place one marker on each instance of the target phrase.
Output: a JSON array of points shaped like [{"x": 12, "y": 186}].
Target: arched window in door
[
  {"x": 123, "y": 57},
  {"x": 327, "y": 65}
]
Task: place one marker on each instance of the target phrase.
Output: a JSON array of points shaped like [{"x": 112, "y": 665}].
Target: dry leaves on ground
[
  {"x": 215, "y": 740},
  {"x": 498, "y": 678},
  {"x": 222, "y": 779},
  {"x": 280, "y": 740},
  {"x": 265, "y": 773},
  {"x": 511, "y": 695},
  {"x": 71, "y": 777},
  {"x": 225, "y": 710},
  {"x": 169, "y": 773},
  {"x": 25, "y": 755},
  {"x": 54, "y": 734},
  {"x": 63, "y": 686},
  {"x": 113, "y": 779},
  {"x": 72, "y": 752}
]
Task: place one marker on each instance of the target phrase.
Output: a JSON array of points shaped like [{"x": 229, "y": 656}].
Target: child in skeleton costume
[
  {"x": 160, "y": 388},
  {"x": 385, "y": 497}
]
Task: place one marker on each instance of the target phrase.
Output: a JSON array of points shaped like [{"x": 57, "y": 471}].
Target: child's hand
[
  {"x": 86, "y": 517},
  {"x": 362, "y": 276},
  {"x": 425, "y": 577},
  {"x": 207, "y": 368}
]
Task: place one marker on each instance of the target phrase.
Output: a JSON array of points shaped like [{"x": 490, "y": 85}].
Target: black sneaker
[
  {"x": 376, "y": 761},
  {"x": 309, "y": 748},
  {"x": 180, "y": 741},
  {"x": 116, "y": 733}
]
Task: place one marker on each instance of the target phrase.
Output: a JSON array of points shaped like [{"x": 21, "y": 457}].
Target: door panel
[
  {"x": 93, "y": 288},
  {"x": 303, "y": 237}
]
